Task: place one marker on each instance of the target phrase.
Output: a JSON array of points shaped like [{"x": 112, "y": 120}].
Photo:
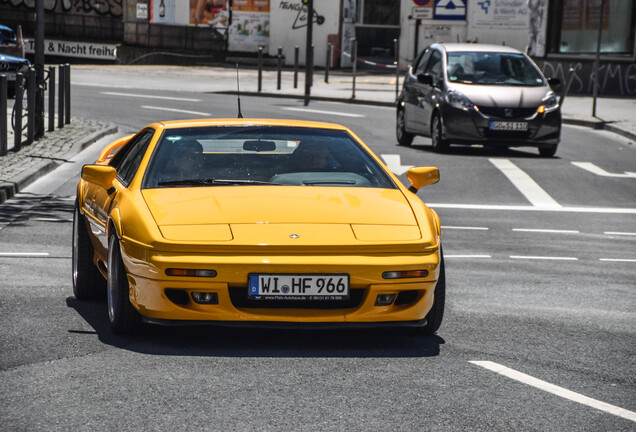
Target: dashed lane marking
[
  {"x": 617, "y": 260},
  {"x": 176, "y": 110},
  {"x": 525, "y": 184},
  {"x": 556, "y": 390},
  {"x": 544, "y": 258},
  {"x": 467, "y": 256},
  {"x": 465, "y": 228},
  {"x": 551, "y": 231},
  {"x": 23, "y": 254},
  {"x": 151, "y": 96},
  {"x": 619, "y": 233}
]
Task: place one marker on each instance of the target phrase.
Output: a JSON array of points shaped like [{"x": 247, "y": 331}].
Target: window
[
  {"x": 128, "y": 159},
  {"x": 435, "y": 65},
  {"x": 381, "y": 12},
  {"x": 421, "y": 63},
  {"x": 578, "y": 21}
]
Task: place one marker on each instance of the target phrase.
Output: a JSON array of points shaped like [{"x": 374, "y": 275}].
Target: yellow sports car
[{"x": 256, "y": 222}]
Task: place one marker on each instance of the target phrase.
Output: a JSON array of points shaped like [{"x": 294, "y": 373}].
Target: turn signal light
[
  {"x": 385, "y": 299},
  {"x": 190, "y": 272},
  {"x": 205, "y": 297},
  {"x": 405, "y": 274},
  {"x": 541, "y": 109}
]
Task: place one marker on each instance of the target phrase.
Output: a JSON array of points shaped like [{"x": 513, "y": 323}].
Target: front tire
[
  {"x": 547, "y": 152},
  {"x": 88, "y": 282},
  {"x": 440, "y": 145},
  {"x": 124, "y": 318},
  {"x": 404, "y": 138}
]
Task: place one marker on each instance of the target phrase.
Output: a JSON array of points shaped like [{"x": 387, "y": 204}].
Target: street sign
[
  {"x": 450, "y": 10},
  {"x": 420, "y": 12}
]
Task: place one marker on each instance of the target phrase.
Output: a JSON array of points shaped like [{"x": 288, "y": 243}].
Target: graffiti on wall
[
  {"x": 100, "y": 7},
  {"x": 612, "y": 79},
  {"x": 301, "y": 17}
]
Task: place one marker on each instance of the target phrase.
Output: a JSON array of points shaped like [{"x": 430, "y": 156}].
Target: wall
[
  {"x": 614, "y": 79},
  {"x": 289, "y": 28}
]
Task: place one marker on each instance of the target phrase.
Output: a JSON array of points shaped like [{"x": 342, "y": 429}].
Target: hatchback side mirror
[
  {"x": 425, "y": 78},
  {"x": 422, "y": 176},
  {"x": 555, "y": 83}
]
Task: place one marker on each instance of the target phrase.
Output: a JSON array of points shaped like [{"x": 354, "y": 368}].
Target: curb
[{"x": 10, "y": 189}]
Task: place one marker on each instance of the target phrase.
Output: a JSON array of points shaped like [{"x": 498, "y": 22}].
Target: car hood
[
  {"x": 283, "y": 215},
  {"x": 502, "y": 96}
]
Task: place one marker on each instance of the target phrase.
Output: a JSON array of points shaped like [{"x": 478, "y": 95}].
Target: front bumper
[
  {"x": 148, "y": 283},
  {"x": 473, "y": 127}
]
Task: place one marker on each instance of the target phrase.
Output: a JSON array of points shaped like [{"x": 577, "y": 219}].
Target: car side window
[
  {"x": 421, "y": 63},
  {"x": 434, "y": 66},
  {"x": 128, "y": 162}
]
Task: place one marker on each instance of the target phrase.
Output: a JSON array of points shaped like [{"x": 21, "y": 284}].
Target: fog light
[
  {"x": 405, "y": 274},
  {"x": 190, "y": 272},
  {"x": 205, "y": 297},
  {"x": 384, "y": 299}
]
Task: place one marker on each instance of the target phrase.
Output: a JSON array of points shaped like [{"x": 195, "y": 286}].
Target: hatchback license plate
[
  {"x": 299, "y": 286},
  {"x": 509, "y": 126}
]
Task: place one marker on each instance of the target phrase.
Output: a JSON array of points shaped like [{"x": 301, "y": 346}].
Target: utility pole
[
  {"x": 309, "y": 60},
  {"x": 39, "y": 69}
]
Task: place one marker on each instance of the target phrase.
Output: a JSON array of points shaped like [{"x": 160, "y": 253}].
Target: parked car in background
[
  {"x": 10, "y": 61},
  {"x": 478, "y": 94}
]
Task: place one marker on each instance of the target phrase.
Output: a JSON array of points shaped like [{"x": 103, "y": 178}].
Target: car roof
[
  {"x": 472, "y": 47},
  {"x": 249, "y": 122}
]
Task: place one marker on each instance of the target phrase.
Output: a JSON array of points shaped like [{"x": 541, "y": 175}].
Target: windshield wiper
[{"x": 213, "y": 182}]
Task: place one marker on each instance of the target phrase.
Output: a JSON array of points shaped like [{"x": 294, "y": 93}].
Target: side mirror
[
  {"x": 101, "y": 175},
  {"x": 425, "y": 78},
  {"x": 422, "y": 176},
  {"x": 555, "y": 83}
]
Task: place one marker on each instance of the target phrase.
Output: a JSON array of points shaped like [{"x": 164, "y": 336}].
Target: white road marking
[
  {"x": 151, "y": 96},
  {"x": 23, "y": 254},
  {"x": 176, "y": 110},
  {"x": 552, "y": 231},
  {"x": 467, "y": 256},
  {"x": 336, "y": 113},
  {"x": 619, "y": 233},
  {"x": 617, "y": 260},
  {"x": 394, "y": 164},
  {"x": 588, "y": 166},
  {"x": 524, "y": 183},
  {"x": 556, "y": 390},
  {"x": 609, "y": 210},
  {"x": 51, "y": 220},
  {"x": 465, "y": 228},
  {"x": 544, "y": 258}
]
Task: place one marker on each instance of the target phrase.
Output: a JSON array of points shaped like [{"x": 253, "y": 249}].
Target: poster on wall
[
  {"x": 512, "y": 13},
  {"x": 162, "y": 11},
  {"x": 250, "y": 25},
  {"x": 213, "y": 13}
]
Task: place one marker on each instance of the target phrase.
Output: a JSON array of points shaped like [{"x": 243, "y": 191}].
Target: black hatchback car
[{"x": 478, "y": 94}]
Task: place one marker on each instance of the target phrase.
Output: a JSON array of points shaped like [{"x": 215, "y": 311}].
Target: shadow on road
[{"x": 245, "y": 342}]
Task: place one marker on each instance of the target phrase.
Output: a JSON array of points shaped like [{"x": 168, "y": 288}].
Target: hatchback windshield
[
  {"x": 492, "y": 68},
  {"x": 262, "y": 155}
]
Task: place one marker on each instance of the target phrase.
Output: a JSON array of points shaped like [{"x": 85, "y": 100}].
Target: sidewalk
[{"x": 18, "y": 169}]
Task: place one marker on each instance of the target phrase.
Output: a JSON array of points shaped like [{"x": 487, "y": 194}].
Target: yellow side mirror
[
  {"x": 422, "y": 176},
  {"x": 101, "y": 175}
]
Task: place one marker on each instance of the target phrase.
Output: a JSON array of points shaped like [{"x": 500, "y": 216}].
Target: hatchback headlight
[
  {"x": 458, "y": 100},
  {"x": 549, "y": 103}
]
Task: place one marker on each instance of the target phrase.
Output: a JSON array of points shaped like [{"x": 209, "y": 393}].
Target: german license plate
[
  {"x": 299, "y": 286},
  {"x": 509, "y": 126}
]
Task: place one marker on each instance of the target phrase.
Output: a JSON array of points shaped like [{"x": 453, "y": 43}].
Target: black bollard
[
  {"x": 31, "y": 84},
  {"x": 67, "y": 97},
  {"x": 51, "y": 98},
  {"x": 60, "y": 98},
  {"x": 3, "y": 115},
  {"x": 260, "y": 68},
  {"x": 296, "y": 50},
  {"x": 328, "y": 62},
  {"x": 17, "y": 110},
  {"x": 280, "y": 68}
]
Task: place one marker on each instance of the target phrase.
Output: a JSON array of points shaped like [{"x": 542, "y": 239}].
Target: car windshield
[
  {"x": 492, "y": 68},
  {"x": 261, "y": 155}
]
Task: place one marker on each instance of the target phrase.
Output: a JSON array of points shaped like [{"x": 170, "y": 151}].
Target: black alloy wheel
[
  {"x": 124, "y": 318},
  {"x": 440, "y": 145},
  {"x": 404, "y": 138},
  {"x": 88, "y": 282}
]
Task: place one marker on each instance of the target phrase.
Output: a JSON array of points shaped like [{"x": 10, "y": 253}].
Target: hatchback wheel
[
  {"x": 547, "y": 152},
  {"x": 404, "y": 138},
  {"x": 440, "y": 145},
  {"x": 88, "y": 282},
  {"x": 124, "y": 318}
]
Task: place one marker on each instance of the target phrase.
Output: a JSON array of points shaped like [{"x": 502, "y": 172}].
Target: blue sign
[{"x": 450, "y": 10}]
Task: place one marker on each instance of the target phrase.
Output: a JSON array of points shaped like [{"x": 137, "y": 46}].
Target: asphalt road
[{"x": 539, "y": 331}]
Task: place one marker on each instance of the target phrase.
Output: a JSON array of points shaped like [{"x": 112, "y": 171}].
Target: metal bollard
[
  {"x": 51, "y": 98},
  {"x": 260, "y": 68},
  {"x": 67, "y": 97},
  {"x": 396, "y": 62},
  {"x": 31, "y": 84},
  {"x": 311, "y": 74},
  {"x": 3, "y": 115},
  {"x": 328, "y": 62},
  {"x": 60, "y": 98},
  {"x": 280, "y": 67},
  {"x": 296, "y": 51},
  {"x": 354, "y": 65},
  {"x": 17, "y": 109}
]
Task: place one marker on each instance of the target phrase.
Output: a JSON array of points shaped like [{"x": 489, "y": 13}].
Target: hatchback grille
[
  {"x": 240, "y": 299},
  {"x": 506, "y": 113}
]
